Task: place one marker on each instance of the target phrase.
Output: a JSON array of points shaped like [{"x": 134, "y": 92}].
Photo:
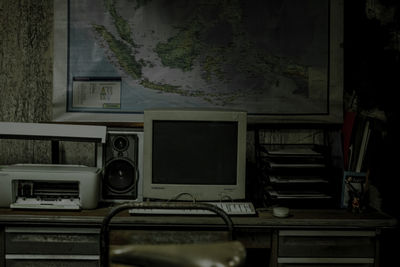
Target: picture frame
[
  {"x": 318, "y": 105},
  {"x": 354, "y": 187}
]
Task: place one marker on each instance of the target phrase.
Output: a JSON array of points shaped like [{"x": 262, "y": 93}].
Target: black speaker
[{"x": 122, "y": 165}]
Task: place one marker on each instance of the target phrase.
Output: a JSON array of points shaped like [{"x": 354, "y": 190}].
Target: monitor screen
[
  {"x": 194, "y": 152},
  {"x": 199, "y": 153}
]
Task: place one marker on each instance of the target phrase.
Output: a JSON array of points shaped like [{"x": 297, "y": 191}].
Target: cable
[{"x": 177, "y": 196}]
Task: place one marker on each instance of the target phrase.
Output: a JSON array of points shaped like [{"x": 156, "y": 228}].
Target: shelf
[
  {"x": 297, "y": 180},
  {"x": 52, "y": 131},
  {"x": 298, "y": 195}
]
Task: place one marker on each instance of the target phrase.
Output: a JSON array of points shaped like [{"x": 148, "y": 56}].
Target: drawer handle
[
  {"x": 326, "y": 260},
  {"x": 327, "y": 233},
  {"x": 51, "y": 257}
]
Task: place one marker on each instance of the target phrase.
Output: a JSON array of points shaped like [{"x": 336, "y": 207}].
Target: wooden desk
[{"x": 309, "y": 237}]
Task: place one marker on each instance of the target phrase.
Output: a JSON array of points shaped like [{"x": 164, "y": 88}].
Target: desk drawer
[
  {"x": 326, "y": 244},
  {"x": 51, "y": 263},
  {"x": 324, "y": 265},
  {"x": 51, "y": 241}
]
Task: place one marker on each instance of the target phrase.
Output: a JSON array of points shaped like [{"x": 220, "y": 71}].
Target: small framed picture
[{"x": 354, "y": 188}]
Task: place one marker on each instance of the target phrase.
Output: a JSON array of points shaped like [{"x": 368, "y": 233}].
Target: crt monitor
[{"x": 199, "y": 153}]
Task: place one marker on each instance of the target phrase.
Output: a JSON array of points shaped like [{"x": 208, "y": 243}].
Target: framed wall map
[{"x": 281, "y": 61}]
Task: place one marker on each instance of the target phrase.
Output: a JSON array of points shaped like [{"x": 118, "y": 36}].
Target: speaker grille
[
  {"x": 120, "y": 175},
  {"x": 121, "y": 179},
  {"x": 120, "y": 143}
]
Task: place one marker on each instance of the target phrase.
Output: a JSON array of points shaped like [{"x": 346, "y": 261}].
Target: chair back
[{"x": 105, "y": 226}]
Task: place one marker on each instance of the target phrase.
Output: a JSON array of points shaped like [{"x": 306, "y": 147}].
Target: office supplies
[{"x": 35, "y": 186}]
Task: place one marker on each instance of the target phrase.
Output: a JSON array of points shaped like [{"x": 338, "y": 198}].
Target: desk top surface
[{"x": 328, "y": 218}]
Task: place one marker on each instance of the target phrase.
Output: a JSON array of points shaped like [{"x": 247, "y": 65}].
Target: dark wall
[
  {"x": 371, "y": 68},
  {"x": 371, "y": 74}
]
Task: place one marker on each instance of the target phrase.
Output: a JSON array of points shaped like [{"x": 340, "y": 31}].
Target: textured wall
[
  {"x": 26, "y": 80},
  {"x": 26, "y": 42},
  {"x": 26, "y": 60}
]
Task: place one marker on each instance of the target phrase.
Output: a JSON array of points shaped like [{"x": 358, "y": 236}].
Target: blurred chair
[{"x": 230, "y": 253}]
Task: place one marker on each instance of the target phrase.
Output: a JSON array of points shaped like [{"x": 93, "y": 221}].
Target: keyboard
[{"x": 231, "y": 208}]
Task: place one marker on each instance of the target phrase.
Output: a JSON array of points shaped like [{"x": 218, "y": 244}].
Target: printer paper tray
[{"x": 59, "y": 204}]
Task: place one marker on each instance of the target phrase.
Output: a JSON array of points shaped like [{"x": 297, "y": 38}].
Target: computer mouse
[{"x": 280, "y": 212}]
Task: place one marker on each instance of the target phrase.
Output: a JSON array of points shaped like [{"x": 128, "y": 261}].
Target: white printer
[
  {"x": 52, "y": 186},
  {"x": 35, "y": 186}
]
